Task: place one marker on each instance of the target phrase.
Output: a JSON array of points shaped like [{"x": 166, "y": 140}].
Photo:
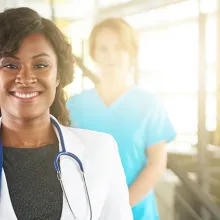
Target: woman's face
[
  {"x": 111, "y": 58},
  {"x": 28, "y": 80}
]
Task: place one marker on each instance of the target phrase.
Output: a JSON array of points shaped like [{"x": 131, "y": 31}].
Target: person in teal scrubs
[{"x": 134, "y": 117}]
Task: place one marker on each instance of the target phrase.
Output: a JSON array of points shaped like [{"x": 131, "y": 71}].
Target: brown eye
[
  {"x": 10, "y": 66},
  {"x": 40, "y": 66}
]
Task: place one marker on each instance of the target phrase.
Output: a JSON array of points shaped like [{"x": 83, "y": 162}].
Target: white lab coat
[{"x": 104, "y": 177}]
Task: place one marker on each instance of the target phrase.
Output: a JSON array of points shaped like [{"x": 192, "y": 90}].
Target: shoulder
[
  {"x": 94, "y": 142},
  {"x": 146, "y": 100},
  {"x": 99, "y": 151},
  {"x": 88, "y": 136}
]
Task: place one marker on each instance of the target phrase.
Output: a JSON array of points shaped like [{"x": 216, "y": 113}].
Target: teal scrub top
[{"x": 136, "y": 120}]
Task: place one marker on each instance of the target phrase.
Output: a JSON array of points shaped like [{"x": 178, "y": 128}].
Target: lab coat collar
[{"x": 72, "y": 142}]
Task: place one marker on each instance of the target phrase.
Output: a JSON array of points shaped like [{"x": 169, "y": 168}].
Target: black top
[{"x": 34, "y": 189}]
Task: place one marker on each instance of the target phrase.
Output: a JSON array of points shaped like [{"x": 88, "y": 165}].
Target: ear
[{"x": 57, "y": 81}]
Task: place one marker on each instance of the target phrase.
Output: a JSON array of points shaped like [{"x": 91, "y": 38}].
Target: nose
[
  {"x": 26, "y": 77},
  {"x": 112, "y": 55}
]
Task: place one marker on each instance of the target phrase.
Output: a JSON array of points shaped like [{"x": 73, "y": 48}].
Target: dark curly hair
[{"x": 15, "y": 25}]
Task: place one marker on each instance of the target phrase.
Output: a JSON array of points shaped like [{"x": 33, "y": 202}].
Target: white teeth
[{"x": 25, "y": 95}]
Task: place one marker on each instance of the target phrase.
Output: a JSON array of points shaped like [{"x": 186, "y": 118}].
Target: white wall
[{"x": 4, "y": 4}]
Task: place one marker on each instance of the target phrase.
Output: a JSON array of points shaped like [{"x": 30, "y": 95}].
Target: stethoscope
[{"x": 63, "y": 152}]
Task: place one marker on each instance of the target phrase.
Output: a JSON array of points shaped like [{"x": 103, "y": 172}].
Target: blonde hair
[{"x": 126, "y": 34}]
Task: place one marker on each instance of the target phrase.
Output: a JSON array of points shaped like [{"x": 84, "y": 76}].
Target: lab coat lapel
[{"x": 6, "y": 208}]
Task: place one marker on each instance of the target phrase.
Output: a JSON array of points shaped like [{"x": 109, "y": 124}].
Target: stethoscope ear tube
[{"x": 64, "y": 152}]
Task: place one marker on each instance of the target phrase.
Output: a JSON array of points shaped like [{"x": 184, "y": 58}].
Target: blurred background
[{"x": 179, "y": 59}]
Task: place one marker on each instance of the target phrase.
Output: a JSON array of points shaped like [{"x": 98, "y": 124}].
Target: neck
[
  {"x": 27, "y": 133},
  {"x": 115, "y": 84},
  {"x": 110, "y": 92}
]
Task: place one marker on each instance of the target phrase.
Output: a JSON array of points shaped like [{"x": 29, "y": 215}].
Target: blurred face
[
  {"x": 28, "y": 80},
  {"x": 110, "y": 57}
]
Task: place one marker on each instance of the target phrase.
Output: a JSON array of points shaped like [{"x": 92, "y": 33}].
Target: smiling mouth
[{"x": 25, "y": 96}]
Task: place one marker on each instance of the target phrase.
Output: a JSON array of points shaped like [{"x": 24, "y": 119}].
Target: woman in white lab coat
[{"x": 36, "y": 146}]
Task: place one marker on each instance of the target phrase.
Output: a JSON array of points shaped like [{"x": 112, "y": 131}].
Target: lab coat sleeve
[{"x": 116, "y": 205}]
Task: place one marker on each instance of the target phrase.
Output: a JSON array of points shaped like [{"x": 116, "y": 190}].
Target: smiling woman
[
  {"x": 46, "y": 53},
  {"x": 30, "y": 77},
  {"x": 46, "y": 167}
]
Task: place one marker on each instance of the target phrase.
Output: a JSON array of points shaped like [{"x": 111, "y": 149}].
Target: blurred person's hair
[
  {"x": 126, "y": 34},
  {"x": 18, "y": 23}
]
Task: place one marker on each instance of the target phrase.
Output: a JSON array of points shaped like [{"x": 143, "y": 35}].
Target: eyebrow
[
  {"x": 40, "y": 55},
  {"x": 34, "y": 57}
]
